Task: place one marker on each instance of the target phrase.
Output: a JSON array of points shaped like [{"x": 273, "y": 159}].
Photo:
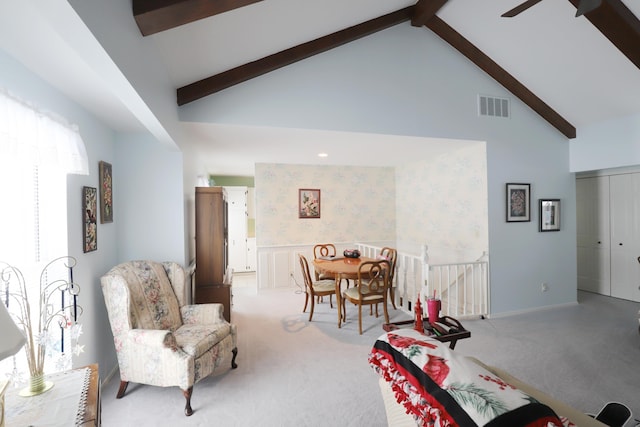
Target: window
[{"x": 37, "y": 151}]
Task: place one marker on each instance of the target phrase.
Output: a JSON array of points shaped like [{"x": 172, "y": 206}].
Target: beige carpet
[{"x": 295, "y": 373}]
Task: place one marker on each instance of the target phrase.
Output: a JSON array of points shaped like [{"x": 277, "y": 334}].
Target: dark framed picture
[
  {"x": 308, "y": 203},
  {"x": 518, "y": 202},
  {"x": 549, "y": 214},
  {"x": 89, "y": 216},
  {"x": 106, "y": 193}
]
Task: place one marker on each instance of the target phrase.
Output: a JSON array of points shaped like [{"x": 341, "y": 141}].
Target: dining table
[{"x": 340, "y": 268}]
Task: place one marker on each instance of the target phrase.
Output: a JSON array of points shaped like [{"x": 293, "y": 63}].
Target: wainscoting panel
[{"x": 276, "y": 264}]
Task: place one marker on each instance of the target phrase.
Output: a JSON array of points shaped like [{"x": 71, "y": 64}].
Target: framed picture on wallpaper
[
  {"x": 106, "y": 193},
  {"x": 308, "y": 203},
  {"x": 549, "y": 214},
  {"x": 89, "y": 219},
  {"x": 518, "y": 202}
]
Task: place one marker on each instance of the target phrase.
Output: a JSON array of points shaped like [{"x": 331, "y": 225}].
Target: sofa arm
[
  {"x": 202, "y": 313},
  {"x": 153, "y": 338}
]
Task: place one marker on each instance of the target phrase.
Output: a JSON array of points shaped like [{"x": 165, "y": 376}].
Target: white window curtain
[{"x": 37, "y": 151}]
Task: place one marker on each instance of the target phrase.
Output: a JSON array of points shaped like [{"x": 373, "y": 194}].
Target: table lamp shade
[{"x": 12, "y": 337}]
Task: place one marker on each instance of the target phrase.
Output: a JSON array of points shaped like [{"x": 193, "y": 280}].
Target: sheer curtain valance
[{"x": 33, "y": 137}]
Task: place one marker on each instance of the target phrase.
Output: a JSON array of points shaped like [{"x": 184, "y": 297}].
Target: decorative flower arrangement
[
  {"x": 309, "y": 205},
  {"x": 47, "y": 325}
]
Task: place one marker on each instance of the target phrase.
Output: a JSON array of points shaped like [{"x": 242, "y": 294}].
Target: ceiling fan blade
[
  {"x": 520, "y": 8},
  {"x": 586, "y": 6}
]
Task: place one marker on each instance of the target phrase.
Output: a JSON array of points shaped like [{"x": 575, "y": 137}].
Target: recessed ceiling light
[{"x": 323, "y": 155}]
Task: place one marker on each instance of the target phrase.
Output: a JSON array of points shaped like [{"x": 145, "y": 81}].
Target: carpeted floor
[{"x": 295, "y": 373}]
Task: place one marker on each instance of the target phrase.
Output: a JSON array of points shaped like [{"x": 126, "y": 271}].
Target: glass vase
[{"x": 37, "y": 385}]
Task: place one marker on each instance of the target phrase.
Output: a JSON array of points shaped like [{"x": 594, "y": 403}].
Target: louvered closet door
[
  {"x": 592, "y": 203},
  {"x": 625, "y": 236}
]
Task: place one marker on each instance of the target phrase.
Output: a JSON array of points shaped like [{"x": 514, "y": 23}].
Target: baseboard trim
[
  {"x": 530, "y": 310},
  {"x": 110, "y": 375}
]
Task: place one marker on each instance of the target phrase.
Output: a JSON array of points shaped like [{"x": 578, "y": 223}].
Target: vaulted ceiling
[
  {"x": 611, "y": 19},
  {"x": 573, "y": 71}
]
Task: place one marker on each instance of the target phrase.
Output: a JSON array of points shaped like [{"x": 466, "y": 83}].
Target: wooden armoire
[{"x": 213, "y": 276}]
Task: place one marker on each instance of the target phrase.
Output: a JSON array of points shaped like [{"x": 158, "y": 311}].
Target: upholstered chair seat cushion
[
  {"x": 195, "y": 340},
  {"x": 324, "y": 285},
  {"x": 353, "y": 293}
]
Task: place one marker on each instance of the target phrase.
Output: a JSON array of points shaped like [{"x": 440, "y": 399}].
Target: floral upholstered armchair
[{"x": 159, "y": 339}]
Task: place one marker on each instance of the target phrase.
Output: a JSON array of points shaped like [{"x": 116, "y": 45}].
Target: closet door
[
  {"x": 592, "y": 217},
  {"x": 625, "y": 236}
]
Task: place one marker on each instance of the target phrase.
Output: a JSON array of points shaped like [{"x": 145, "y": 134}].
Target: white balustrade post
[{"x": 424, "y": 290}]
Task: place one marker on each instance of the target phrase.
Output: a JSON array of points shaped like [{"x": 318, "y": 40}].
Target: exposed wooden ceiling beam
[
  {"x": 153, "y": 16},
  {"x": 617, "y": 23},
  {"x": 486, "y": 64},
  {"x": 269, "y": 63},
  {"x": 425, "y": 10}
]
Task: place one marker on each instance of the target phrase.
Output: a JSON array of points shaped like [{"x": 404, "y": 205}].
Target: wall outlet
[{"x": 545, "y": 287}]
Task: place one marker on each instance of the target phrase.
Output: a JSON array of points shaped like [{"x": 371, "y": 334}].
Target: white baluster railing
[{"x": 463, "y": 287}]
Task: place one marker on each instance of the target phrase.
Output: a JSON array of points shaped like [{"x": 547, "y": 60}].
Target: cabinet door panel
[
  {"x": 592, "y": 211},
  {"x": 625, "y": 274},
  {"x": 592, "y": 222},
  {"x": 625, "y": 235},
  {"x": 237, "y": 197},
  {"x": 594, "y": 270}
]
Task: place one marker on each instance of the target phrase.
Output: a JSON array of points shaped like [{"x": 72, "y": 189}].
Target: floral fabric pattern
[
  {"x": 152, "y": 343},
  {"x": 441, "y": 388}
]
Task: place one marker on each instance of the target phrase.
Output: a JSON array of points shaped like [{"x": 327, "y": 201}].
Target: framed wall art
[
  {"x": 106, "y": 193},
  {"x": 518, "y": 202},
  {"x": 89, "y": 215},
  {"x": 308, "y": 203},
  {"x": 549, "y": 214}
]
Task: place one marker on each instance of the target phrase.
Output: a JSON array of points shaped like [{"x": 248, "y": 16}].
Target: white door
[
  {"x": 251, "y": 254},
  {"x": 237, "y": 199},
  {"x": 625, "y": 235},
  {"x": 592, "y": 217}
]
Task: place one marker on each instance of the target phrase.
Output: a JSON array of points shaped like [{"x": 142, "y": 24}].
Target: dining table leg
[{"x": 339, "y": 299}]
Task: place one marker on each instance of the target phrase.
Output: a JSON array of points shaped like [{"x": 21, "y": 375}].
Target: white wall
[
  {"x": 442, "y": 202},
  {"x": 356, "y": 204},
  {"x": 148, "y": 200},
  {"x": 611, "y": 144}
]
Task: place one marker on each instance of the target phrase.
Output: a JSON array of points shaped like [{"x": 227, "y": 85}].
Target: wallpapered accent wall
[
  {"x": 442, "y": 202},
  {"x": 357, "y": 204}
]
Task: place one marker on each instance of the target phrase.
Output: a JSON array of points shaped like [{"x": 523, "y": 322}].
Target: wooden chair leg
[
  {"x": 187, "y": 395},
  {"x": 306, "y": 301},
  {"x": 313, "y": 305},
  {"x": 233, "y": 359},
  {"x": 343, "y": 315},
  {"x": 122, "y": 389},
  {"x": 360, "y": 317},
  {"x": 392, "y": 294}
]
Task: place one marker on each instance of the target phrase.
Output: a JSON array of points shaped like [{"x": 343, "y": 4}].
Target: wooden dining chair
[
  {"x": 321, "y": 250},
  {"x": 372, "y": 288},
  {"x": 315, "y": 288},
  {"x": 391, "y": 255}
]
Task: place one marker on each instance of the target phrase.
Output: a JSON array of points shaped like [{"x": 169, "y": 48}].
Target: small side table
[
  {"x": 446, "y": 329},
  {"x": 52, "y": 402}
]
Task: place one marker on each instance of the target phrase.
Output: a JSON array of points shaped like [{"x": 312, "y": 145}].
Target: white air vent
[{"x": 492, "y": 106}]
